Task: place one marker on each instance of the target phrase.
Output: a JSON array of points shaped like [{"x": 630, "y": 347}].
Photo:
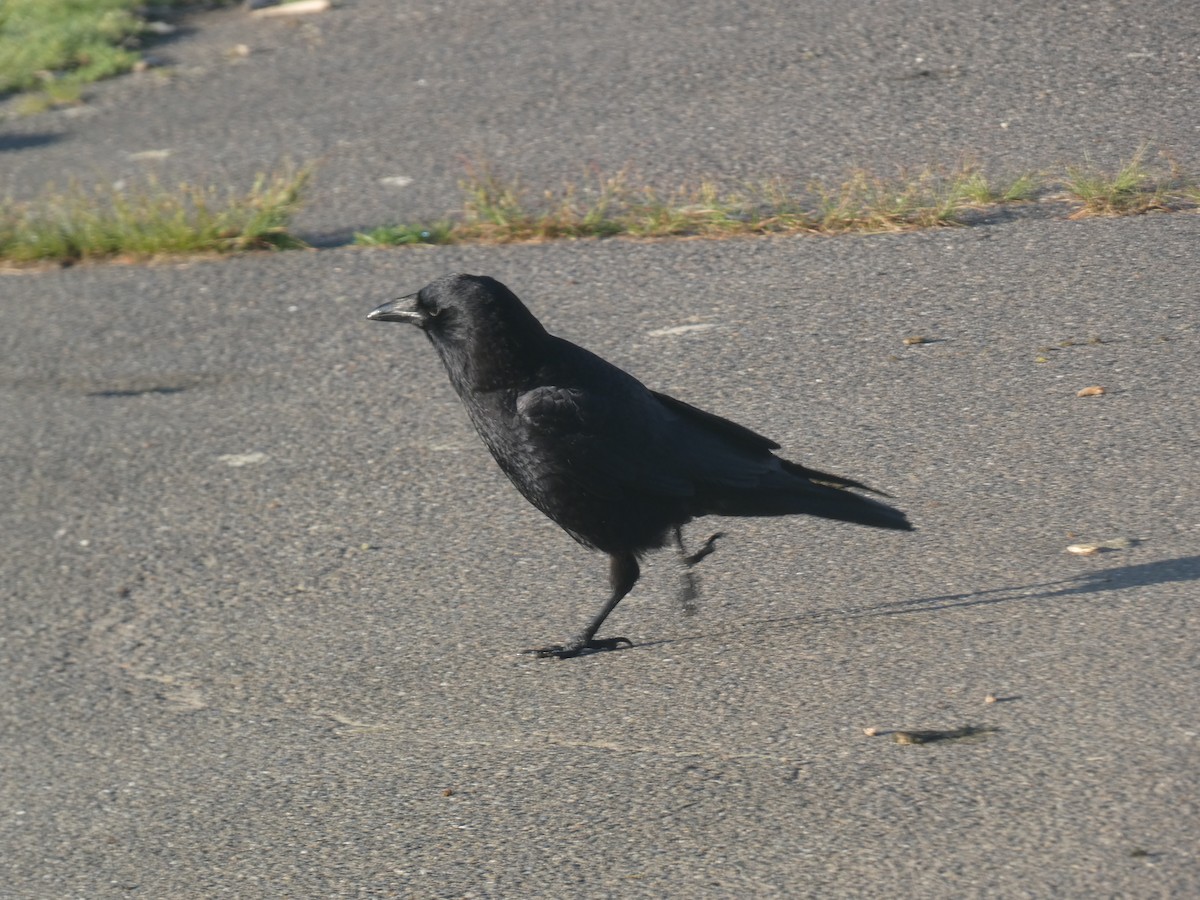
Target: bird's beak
[{"x": 404, "y": 309}]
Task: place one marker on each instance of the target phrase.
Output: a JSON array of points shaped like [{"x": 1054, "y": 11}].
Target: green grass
[
  {"x": 1130, "y": 190},
  {"x": 57, "y": 45},
  {"x": 149, "y": 220}
]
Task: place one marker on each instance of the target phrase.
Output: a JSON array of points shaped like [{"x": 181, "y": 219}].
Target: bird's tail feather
[
  {"x": 823, "y": 496},
  {"x": 826, "y": 477},
  {"x": 836, "y": 503}
]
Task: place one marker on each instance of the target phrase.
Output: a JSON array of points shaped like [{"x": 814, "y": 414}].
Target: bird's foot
[
  {"x": 579, "y": 648},
  {"x": 708, "y": 547}
]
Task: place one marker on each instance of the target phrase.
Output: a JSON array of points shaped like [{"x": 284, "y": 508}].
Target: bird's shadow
[
  {"x": 1165, "y": 571},
  {"x": 1184, "y": 568}
]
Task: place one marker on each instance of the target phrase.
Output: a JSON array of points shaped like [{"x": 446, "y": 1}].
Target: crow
[{"x": 619, "y": 467}]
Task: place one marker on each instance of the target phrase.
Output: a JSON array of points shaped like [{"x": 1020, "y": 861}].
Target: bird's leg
[
  {"x": 688, "y": 590},
  {"x": 623, "y": 575},
  {"x": 708, "y": 547}
]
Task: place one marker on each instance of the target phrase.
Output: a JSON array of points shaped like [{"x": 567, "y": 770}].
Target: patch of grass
[
  {"x": 868, "y": 203},
  {"x": 974, "y": 189},
  {"x": 1021, "y": 189},
  {"x": 1109, "y": 193},
  {"x": 150, "y": 220},
  {"x": 504, "y": 210},
  {"x": 57, "y": 45},
  {"x": 496, "y": 209},
  {"x": 1130, "y": 190}
]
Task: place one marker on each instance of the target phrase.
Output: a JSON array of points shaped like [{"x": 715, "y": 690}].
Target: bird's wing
[
  {"x": 626, "y": 438},
  {"x": 739, "y": 434},
  {"x": 604, "y": 442},
  {"x": 747, "y": 440}
]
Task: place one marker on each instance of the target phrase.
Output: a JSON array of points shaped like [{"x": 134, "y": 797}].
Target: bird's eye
[{"x": 433, "y": 311}]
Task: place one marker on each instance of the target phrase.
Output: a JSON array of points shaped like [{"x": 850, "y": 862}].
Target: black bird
[{"x": 620, "y": 467}]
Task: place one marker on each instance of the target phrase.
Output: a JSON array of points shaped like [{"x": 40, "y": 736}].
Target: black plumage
[{"x": 620, "y": 467}]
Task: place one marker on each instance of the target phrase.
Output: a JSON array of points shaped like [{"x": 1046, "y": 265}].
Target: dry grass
[{"x": 497, "y": 209}]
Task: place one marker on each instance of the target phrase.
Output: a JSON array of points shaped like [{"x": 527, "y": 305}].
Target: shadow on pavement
[
  {"x": 27, "y": 141},
  {"x": 1165, "y": 571},
  {"x": 1185, "y": 568}
]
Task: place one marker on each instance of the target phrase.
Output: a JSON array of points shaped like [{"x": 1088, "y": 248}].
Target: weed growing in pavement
[
  {"x": 1130, "y": 190},
  {"x": 150, "y": 220},
  {"x": 497, "y": 209}
]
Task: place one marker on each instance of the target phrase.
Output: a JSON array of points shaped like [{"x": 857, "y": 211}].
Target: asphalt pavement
[{"x": 265, "y": 594}]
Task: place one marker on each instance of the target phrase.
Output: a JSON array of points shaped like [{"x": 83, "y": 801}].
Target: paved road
[
  {"x": 380, "y": 89},
  {"x": 264, "y": 593}
]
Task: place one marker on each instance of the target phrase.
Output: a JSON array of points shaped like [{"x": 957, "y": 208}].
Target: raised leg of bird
[
  {"x": 688, "y": 589},
  {"x": 623, "y": 573},
  {"x": 706, "y": 548}
]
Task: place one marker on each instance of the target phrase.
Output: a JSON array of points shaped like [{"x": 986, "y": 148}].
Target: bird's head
[{"x": 481, "y": 329}]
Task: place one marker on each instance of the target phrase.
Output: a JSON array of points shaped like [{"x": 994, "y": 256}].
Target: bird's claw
[{"x": 579, "y": 648}]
